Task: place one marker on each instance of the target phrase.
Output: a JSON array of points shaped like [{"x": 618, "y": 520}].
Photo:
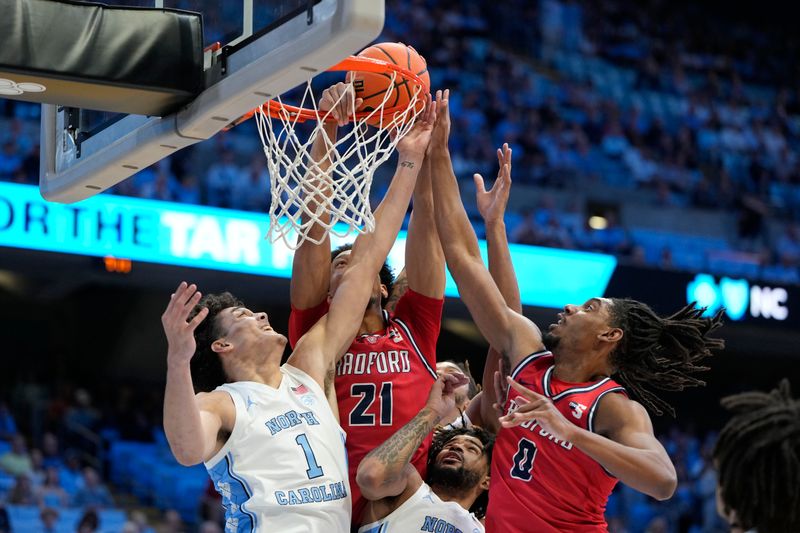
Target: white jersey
[
  {"x": 284, "y": 467},
  {"x": 425, "y": 511}
]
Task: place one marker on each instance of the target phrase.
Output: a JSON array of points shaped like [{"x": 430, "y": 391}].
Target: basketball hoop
[{"x": 297, "y": 184}]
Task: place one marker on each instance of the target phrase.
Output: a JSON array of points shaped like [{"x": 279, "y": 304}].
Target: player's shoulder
[
  {"x": 412, "y": 300},
  {"x": 617, "y": 411},
  {"x": 217, "y": 402}
]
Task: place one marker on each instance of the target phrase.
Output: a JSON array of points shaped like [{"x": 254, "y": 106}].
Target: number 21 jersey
[{"x": 383, "y": 379}]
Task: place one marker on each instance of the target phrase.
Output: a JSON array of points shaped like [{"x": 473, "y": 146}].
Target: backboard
[{"x": 255, "y": 50}]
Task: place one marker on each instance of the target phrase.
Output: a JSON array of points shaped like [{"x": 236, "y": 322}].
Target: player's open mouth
[
  {"x": 266, "y": 328},
  {"x": 452, "y": 457}
]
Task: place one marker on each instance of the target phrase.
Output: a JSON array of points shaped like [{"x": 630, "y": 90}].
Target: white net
[{"x": 301, "y": 192}]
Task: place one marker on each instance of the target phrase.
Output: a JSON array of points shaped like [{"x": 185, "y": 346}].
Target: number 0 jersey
[
  {"x": 384, "y": 379},
  {"x": 540, "y": 483},
  {"x": 284, "y": 466}
]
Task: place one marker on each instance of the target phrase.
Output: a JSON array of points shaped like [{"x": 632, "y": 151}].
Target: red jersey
[
  {"x": 383, "y": 380},
  {"x": 540, "y": 483}
]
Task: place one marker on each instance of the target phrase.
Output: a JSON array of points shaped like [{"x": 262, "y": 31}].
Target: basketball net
[{"x": 301, "y": 192}]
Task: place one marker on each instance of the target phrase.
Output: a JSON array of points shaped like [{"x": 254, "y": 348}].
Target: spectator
[
  {"x": 16, "y": 461},
  {"x": 251, "y": 192},
  {"x": 186, "y": 190},
  {"x": 173, "y": 522},
  {"x": 210, "y": 527},
  {"x": 5, "y": 523},
  {"x": 222, "y": 178},
  {"x": 51, "y": 493},
  {"x": 89, "y": 522},
  {"x": 50, "y": 451},
  {"x": 8, "y": 427},
  {"x": 23, "y": 492},
  {"x": 10, "y": 160},
  {"x": 37, "y": 467},
  {"x": 93, "y": 493},
  {"x": 70, "y": 474},
  {"x": 49, "y": 518},
  {"x": 139, "y": 519}
]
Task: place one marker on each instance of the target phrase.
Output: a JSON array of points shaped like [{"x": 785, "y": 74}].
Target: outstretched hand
[
  {"x": 180, "y": 333},
  {"x": 442, "y": 398},
  {"x": 534, "y": 406},
  {"x": 416, "y": 141},
  {"x": 492, "y": 203},
  {"x": 441, "y": 130},
  {"x": 340, "y": 100}
]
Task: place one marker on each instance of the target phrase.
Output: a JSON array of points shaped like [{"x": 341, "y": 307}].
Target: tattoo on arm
[
  {"x": 398, "y": 290},
  {"x": 396, "y": 452},
  {"x": 407, "y": 164}
]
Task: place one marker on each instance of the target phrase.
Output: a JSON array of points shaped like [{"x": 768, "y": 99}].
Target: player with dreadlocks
[
  {"x": 573, "y": 432},
  {"x": 457, "y": 472},
  {"x": 758, "y": 459}
]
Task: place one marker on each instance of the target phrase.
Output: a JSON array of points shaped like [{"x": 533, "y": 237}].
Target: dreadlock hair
[
  {"x": 758, "y": 458},
  {"x": 443, "y": 435},
  {"x": 662, "y": 352},
  {"x": 206, "y": 366},
  {"x": 386, "y": 274}
]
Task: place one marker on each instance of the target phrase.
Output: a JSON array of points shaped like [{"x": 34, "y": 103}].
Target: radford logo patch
[{"x": 12, "y": 88}]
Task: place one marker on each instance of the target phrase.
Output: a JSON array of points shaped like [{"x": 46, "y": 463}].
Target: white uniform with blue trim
[
  {"x": 425, "y": 511},
  {"x": 284, "y": 467}
]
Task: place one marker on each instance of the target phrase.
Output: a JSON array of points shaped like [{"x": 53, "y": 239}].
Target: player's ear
[
  {"x": 384, "y": 291},
  {"x": 611, "y": 335},
  {"x": 485, "y": 482},
  {"x": 221, "y": 346}
]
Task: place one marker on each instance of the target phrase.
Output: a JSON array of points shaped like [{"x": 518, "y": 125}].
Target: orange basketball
[{"x": 372, "y": 87}]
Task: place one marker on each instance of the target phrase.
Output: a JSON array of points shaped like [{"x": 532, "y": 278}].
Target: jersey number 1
[
  {"x": 522, "y": 464},
  {"x": 314, "y": 470}
]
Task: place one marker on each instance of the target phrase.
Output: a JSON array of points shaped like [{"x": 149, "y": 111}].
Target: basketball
[{"x": 372, "y": 87}]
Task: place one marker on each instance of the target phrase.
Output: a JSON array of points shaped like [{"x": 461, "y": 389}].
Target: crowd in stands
[
  {"x": 616, "y": 95},
  {"x": 55, "y": 467}
]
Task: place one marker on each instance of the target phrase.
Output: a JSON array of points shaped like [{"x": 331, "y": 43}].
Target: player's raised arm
[
  {"x": 386, "y": 471},
  {"x": 311, "y": 264},
  {"x": 191, "y": 422},
  {"x": 505, "y": 329},
  {"x": 492, "y": 207},
  {"x": 424, "y": 257},
  {"x": 333, "y": 334}
]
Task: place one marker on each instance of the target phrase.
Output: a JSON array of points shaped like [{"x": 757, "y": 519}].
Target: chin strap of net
[{"x": 302, "y": 191}]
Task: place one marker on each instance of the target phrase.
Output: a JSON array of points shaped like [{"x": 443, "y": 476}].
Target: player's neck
[
  {"x": 464, "y": 498},
  {"x": 259, "y": 370},
  {"x": 580, "y": 368},
  {"x": 373, "y": 320}
]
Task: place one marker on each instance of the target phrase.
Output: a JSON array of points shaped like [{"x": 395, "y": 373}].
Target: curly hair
[
  {"x": 206, "y": 366},
  {"x": 662, "y": 352},
  {"x": 444, "y": 435},
  {"x": 386, "y": 274},
  {"x": 758, "y": 458}
]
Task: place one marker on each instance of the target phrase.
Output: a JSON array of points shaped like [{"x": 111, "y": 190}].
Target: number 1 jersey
[
  {"x": 283, "y": 467},
  {"x": 383, "y": 380}
]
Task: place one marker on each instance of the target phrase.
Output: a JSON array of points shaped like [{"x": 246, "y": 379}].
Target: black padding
[{"x": 146, "y": 61}]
